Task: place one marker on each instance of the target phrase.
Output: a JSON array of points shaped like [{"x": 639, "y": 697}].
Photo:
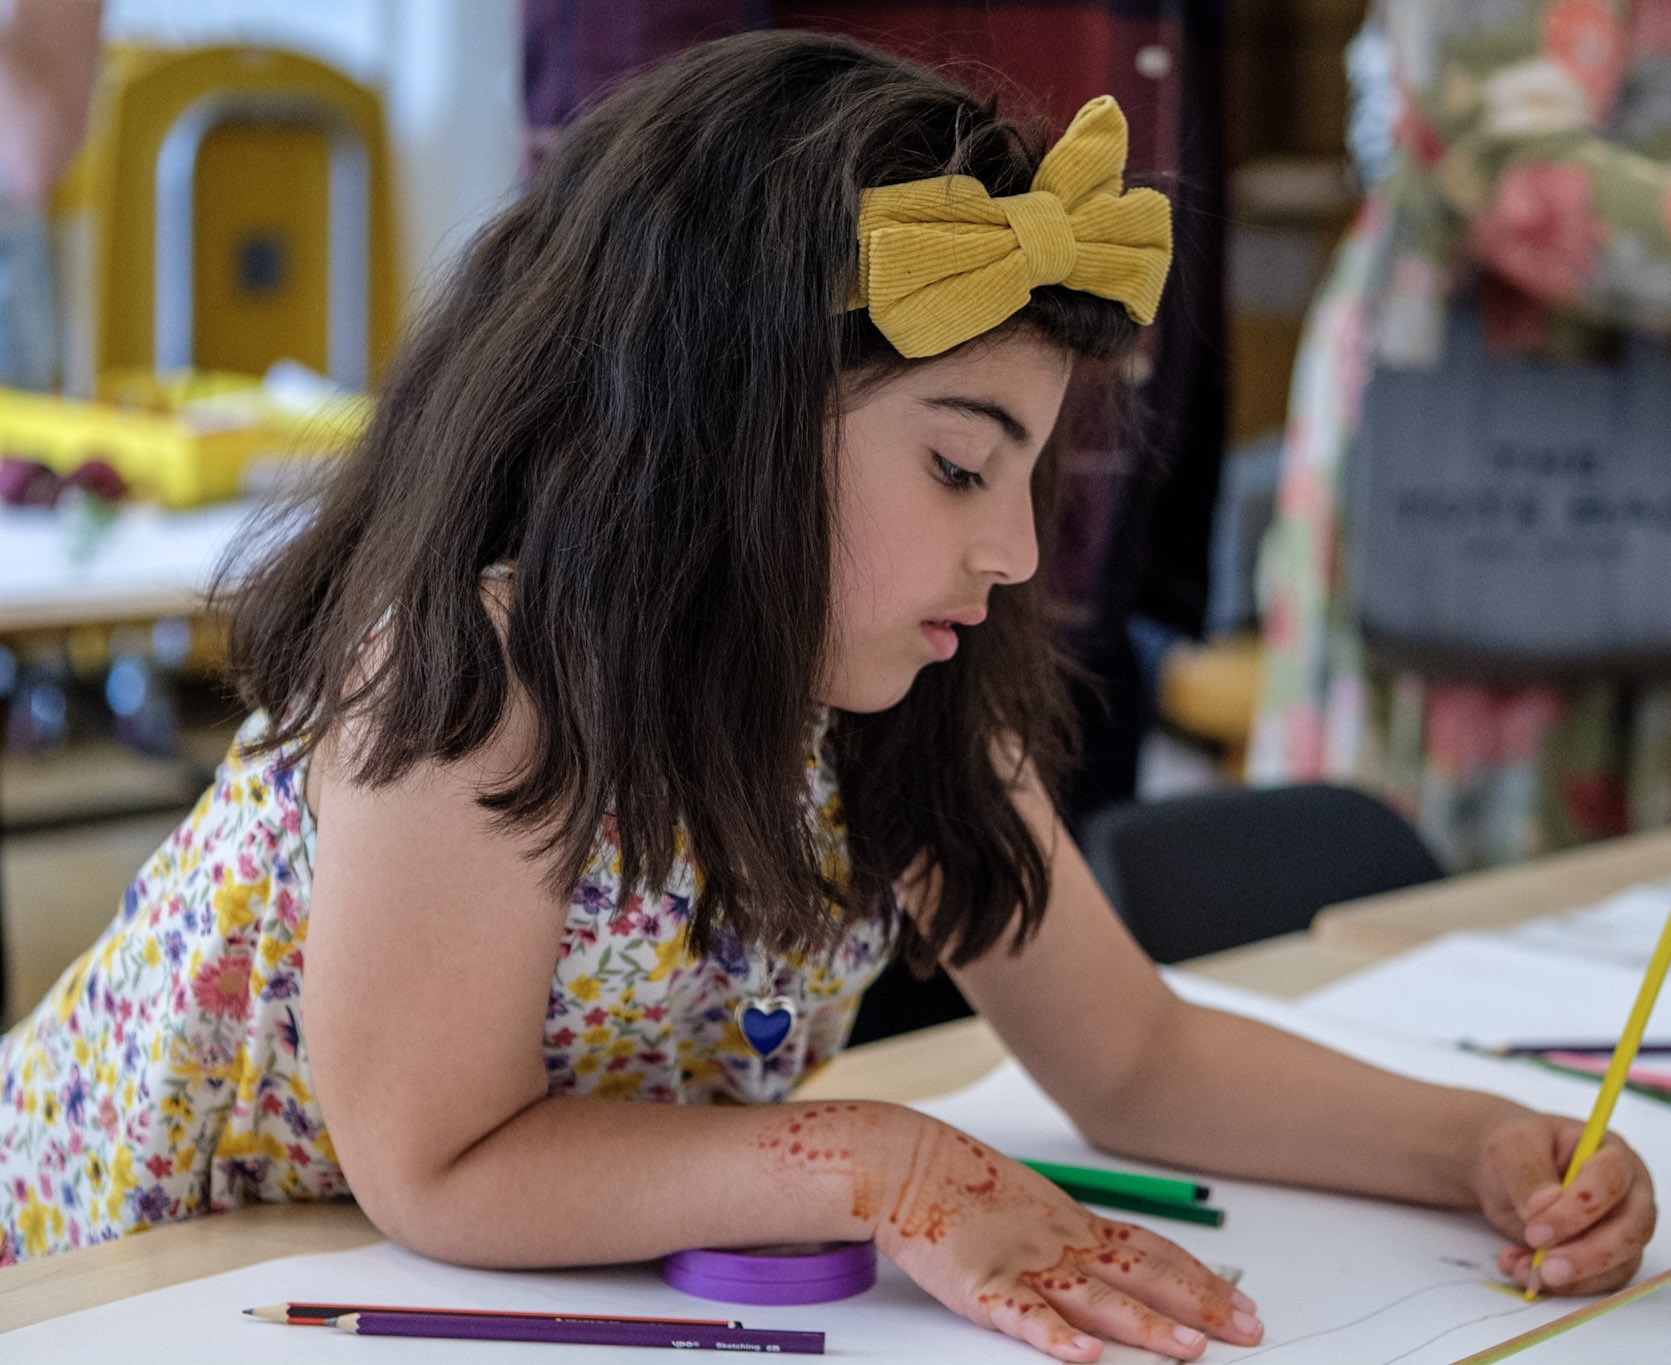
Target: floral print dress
[{"x": 165, "y": 1075}]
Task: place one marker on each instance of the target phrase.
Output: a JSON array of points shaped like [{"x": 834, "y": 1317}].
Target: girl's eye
[{"x": 954, "y": 476}]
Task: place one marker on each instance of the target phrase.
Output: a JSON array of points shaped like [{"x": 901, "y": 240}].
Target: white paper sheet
[
  {"x": 203, "y": 1320},
  {"x": 1636, "y": 1333},
  {"x": 1339, "y": 1281},
  {"x": 1490, "y": 989},
  {"x": 1622, "y": 929}
]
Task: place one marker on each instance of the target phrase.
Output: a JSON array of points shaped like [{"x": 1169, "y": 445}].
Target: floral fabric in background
[{"x": 1532, "y": 177}]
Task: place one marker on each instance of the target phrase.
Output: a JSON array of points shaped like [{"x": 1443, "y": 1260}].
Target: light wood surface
[
  {"x": 74, "y": 1280},
  {"x": 1286, "y": 967},
  {"x": 915, "y": 1066},
  {"x": 101, "y": 608},
  {"x": 1498, "y": 899}
]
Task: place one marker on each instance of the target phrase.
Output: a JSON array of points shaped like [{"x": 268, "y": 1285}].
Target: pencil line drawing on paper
[
  {"x": 1291, "y": 1342},
  {"x": 1457, "y": 1327}
]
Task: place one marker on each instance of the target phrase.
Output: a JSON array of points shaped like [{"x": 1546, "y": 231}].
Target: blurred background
[{"x": 1380, "y": 512}]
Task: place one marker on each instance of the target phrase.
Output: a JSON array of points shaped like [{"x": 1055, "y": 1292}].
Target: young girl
[{"x": 665, "y": 660}]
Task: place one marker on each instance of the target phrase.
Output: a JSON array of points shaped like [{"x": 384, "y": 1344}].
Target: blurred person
[
  {"x": 48, "y": 59},
  {"x": 1518, "y": 160}
]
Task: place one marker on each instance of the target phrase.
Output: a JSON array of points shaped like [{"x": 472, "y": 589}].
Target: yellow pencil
[{"x": 1618, "y": 1071}]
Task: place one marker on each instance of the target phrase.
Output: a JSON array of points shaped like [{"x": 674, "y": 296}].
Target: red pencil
[{"x": 321, "y": 1315}]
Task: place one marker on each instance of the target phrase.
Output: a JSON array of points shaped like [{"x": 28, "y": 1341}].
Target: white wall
[
  {"x": 454, "y": 101},
  {"x": 449, "y": 71}
]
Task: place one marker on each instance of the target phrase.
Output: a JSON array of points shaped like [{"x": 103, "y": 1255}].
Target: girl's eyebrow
[{"x": 981, "y": 407}]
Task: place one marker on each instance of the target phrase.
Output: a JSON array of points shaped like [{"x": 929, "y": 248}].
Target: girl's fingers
[
  {"x": 1099, "y": 1307},
  {"x": 1616, "y": 1278},
  {"x": 1603, "y": 1183},
  {"x": 1602, "y": 1257},
  {"x": 1194, "y": 1297},
  {"x": 1152, "y": 1244},
  {"x": 1516, "y": 1264},
  {"x": 1157, "y": 1248},
  {"x": 1026, "y": 1316}
]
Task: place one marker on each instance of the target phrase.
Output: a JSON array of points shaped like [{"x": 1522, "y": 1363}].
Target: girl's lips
[{"x": 942, "y": 639}]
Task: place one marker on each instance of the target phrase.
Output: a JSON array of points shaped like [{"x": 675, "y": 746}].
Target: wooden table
[
  {"x": 1499, "y": 899},
  {"x": 148, "y": 564},
  {"x": 912, "y": 1067}
]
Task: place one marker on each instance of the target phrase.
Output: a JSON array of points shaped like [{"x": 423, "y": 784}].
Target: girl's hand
[
  {"x": 1593, "y": 1233},
  {"x": 1004, "y": 1247}
]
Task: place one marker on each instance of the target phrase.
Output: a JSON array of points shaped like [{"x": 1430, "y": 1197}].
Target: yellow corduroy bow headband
[{"x": 941, "y": 260}]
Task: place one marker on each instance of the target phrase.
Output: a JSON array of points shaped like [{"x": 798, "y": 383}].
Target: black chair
[{"x": 1199, "y": 874}]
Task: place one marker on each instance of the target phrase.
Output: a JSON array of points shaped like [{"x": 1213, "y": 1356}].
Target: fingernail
[
  {"x": 1085, "y": 1343},
  {"x": 1187, "y": 1336},
  {"x": 1538, "y": 1234},
  {"x": 1242, "y": 1301},
  {"x": 1556, "y": 1271},
  {"x": 1246, "y": 1324},
  {"x": 1542, "y": 1200}
]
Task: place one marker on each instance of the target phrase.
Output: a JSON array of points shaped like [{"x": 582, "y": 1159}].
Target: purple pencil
[
  {"x": 1588, "y": 1048},
  {"x": 569, "y": 1333}
]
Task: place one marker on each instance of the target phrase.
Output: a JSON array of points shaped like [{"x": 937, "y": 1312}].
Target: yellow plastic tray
[
  {"x": 164, "y": 458},
  {"x": 176, "y": 440}
]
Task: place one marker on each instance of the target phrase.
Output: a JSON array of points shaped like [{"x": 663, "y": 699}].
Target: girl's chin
[{"x": 878, "y": 691}]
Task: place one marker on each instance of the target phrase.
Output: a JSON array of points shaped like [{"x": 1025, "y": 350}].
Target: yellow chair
[
  {"x": 231, "y": 207},
  {"x": 1211, "y": 691}
]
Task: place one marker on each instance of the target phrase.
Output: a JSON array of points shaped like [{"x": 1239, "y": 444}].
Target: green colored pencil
[
  {"x": 1153, "y": 1195},
  {"x": 1152, "y": 1187},
  {"x": 1205, "y": 1214}
]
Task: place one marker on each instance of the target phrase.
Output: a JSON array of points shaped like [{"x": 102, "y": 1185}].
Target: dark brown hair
[{"x": 626, "y": 389}]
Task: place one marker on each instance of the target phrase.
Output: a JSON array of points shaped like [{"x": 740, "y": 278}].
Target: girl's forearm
[
  {"x": 575, "y": 1181},
  {"x": 1235, "y": 1096}
]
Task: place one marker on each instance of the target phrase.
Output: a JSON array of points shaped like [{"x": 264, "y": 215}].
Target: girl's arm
[
  {"x": 430, "y": 955},
  {"x": 431, "y": 948},
  {"x": 1146, "y": 1074}
]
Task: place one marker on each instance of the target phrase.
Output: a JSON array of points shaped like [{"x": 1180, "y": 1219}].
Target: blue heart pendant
[{"x": 766, "y": 1022}]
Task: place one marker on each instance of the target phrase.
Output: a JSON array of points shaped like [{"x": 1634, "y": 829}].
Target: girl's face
[{"x": 934, "y": 508}]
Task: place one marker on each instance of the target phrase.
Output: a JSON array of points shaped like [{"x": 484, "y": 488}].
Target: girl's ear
[{"x": 496, "y": 601}]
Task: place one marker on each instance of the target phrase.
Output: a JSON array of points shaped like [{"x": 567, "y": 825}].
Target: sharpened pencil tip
[{"x": 270, "y": 1312}]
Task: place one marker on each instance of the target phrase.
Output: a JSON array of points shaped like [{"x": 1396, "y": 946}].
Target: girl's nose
[{"x": 1006, "y": 548}]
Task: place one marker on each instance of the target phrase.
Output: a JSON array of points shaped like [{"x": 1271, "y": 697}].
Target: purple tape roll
[{"x": 817, "y": 1273}]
